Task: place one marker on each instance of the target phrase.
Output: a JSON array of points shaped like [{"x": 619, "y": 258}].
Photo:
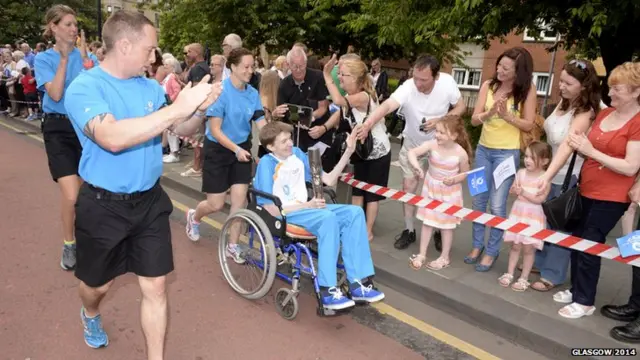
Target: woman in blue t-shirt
[
  {"x": 227, "y": 145},
  {"x": 55, "y": 69}
]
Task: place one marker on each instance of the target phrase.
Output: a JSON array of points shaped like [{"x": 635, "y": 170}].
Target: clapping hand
[
  {"x": 580, "y": 143},
  {"x": 216, "y": 90},
  {"x": 191, "y": 97},
  {"x": 328, "y": 67}
]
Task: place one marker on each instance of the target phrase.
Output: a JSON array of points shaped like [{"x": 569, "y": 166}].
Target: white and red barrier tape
[{"x": 536, "y": 232}]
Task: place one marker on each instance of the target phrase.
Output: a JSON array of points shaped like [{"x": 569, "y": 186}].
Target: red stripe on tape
[
  {"x": 597, "y": 249},
  {"x": 495, "y": 221},
  {"x": 518, "y": 227}
]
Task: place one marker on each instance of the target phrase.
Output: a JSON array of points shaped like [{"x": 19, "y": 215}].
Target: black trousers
[{"x": 634, "y": 299}]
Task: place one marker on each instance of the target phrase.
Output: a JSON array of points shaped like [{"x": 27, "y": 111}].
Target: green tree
[
  {"x": 24, "y": 20},
  {"x": 275, "y": 23},
  {"x": 607, "y": 28}
]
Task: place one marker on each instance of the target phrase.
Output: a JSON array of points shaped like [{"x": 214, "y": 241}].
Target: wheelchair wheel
[
  {"x": 286, "y": 303},
  {"x": 255, "y": 250}
]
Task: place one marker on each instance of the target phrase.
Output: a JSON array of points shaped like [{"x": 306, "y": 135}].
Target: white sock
[{"x": 408, "y": 224}]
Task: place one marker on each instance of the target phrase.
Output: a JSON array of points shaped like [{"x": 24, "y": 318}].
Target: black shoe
[
  {"x": 620, "y": 312},
  {"x": 437, "y": 241},
  {"x": 405, "y": 239},
  {"x": 629, "y": 333}
]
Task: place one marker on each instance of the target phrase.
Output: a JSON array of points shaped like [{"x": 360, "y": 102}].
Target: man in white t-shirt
[{"x": 425, "y": 98}]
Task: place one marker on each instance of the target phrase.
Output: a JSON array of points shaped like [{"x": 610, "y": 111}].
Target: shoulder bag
[{"x": 564, "y": 212}]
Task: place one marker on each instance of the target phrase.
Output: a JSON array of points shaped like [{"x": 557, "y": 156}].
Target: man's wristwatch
[{"x": 200, "y": 114}]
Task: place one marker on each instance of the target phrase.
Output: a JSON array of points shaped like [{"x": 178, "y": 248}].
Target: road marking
[
  {"x": 380, "y": 307},
  {"x": 395, "y": 313}
]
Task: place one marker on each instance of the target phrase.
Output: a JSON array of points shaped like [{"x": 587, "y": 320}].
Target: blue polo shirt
[
  {"x": 46, "y": 65},
  {"x": 236, "y": 108},
  {"x": 95, "y": 92}
]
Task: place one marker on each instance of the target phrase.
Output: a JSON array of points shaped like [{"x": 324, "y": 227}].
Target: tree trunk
[{"x": 617, "y": 48}]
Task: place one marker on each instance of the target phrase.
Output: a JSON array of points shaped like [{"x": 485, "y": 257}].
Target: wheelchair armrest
[
  {"x": 257, "y": 193},
  {"x": 325, "y": 189}
]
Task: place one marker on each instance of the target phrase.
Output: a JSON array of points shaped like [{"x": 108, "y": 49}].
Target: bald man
[{"x": 200, "y": 68}]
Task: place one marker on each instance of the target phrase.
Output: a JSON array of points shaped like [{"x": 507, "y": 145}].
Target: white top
[
  {"x": 557, "y": 128},
  {"x": 417, "y": 106},
  {"x": 20, "y": 65},
  {"x": 381, "y": 144},
  {"x": 288, "y": 181}
]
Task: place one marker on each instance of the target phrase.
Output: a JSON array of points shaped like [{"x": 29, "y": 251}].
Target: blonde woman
[
  {"x": 55, "y": 69},
  {"x": 358, "y": 103},
  {"x": 269, "y": 97}
]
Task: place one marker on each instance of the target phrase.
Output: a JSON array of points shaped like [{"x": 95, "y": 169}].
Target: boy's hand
[{"x": 316, "y": 203}]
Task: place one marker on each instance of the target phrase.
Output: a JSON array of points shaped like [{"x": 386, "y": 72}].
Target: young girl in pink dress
[
  {"x": 527, "y": 209},
  {"x": 448, "y": 157}
]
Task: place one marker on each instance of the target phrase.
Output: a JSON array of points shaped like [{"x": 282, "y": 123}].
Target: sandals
[
  {"x": 542, "y": 285},
  {"x": 416, "y": 261},
  {"x": 576, "y": 311},
  {"x": 438, "y": 264},
  {"x": 519, "y": 286},
  {"x": 505, "y": 280},
  {"x": 563, "y": 297}
]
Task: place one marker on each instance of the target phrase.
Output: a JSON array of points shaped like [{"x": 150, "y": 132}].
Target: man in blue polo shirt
[{"x": 122, "y": 222}]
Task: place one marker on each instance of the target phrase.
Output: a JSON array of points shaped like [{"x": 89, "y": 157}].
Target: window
[
  {"x": 467, "y": 78},
  {"x": 545, "y": 35},
  {"x": 542, "y": 83}
]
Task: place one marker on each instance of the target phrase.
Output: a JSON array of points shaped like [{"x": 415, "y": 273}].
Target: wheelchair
[{"x": 277, "y": 249}]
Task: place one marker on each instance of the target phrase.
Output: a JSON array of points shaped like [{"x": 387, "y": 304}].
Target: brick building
[{"x": 480, "y": 65}]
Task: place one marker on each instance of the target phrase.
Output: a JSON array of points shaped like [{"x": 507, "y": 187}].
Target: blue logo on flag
[
  {"x": 629, "y": 245},
  {"x": 477, "y": 181}
]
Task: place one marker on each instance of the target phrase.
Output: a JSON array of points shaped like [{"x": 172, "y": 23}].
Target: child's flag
[
  {"x": 629, "y": 245},
  {"x": 477, "y": 181}
]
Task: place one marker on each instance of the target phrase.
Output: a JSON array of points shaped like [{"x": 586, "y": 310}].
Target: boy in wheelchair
[{"x": 283, "y": 173}]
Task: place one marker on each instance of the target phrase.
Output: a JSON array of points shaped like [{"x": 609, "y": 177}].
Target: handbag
[
  {"x": 347, "y": 123},
  {"x": 564, "y": 212}
]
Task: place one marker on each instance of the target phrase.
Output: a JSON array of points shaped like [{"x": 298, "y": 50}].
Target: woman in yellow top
[{"x": 506, "y": 105}]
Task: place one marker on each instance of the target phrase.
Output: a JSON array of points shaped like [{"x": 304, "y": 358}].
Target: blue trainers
[
  {"x": 94, "y": 334},
  {"x": 333, "y": 299},
  {"x": 368, "y": 293}
]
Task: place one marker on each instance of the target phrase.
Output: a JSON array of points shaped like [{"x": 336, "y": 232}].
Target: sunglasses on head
[{"x": 579, "y": 64}]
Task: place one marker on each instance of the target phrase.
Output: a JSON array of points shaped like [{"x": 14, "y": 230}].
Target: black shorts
[
  {"x": 222, "y": 169},
  {"x": 374, "y": 172},
  {"x": 116, "y": 235},
  {"x": 62, "y": 146}
]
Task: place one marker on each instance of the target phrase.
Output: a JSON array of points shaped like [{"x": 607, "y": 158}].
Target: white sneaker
[
  {"x": 193, "y": 227},
  {"x": 171, "y": 158}
]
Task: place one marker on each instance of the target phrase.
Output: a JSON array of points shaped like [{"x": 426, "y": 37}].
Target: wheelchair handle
[{"x": 257, "y": 193}]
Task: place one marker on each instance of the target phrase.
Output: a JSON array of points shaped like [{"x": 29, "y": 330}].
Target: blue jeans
[
  {"x": 553, "y": 260},
  {"x": 490, "y": 159},
  {"x": 338, "y": 227}
]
